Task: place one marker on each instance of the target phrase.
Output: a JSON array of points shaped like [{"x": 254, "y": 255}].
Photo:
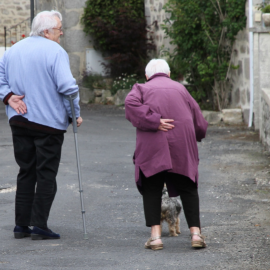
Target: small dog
[{"x": 170, "y": 211}]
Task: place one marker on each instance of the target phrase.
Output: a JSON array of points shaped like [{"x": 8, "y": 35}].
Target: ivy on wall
[
  {"x": 203, "y": 33},
  {"x": 118, "y": 29}
]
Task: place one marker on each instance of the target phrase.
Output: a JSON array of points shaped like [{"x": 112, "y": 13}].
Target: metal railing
[{"x": 16, "y": 32}]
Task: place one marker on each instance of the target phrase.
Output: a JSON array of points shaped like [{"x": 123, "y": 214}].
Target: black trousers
[
  {"x": 152, "y": 193},
  {"x": 38, "y": 156}
]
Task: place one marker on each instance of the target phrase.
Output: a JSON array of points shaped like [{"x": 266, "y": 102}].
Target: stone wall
[
  {"x": 261, "y": 66},
  {"x": 265, "y": 127},
  {"x": 240, "y": 96},
  {"x": 155, "y": 16},
  {"x": 13, "y": 12},
  {"x": 74, "y": 40}
]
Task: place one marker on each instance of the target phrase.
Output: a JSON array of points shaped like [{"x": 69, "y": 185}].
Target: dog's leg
[
  {"x": 171, "y": 225},
  {"x": 177, "y": 225}
]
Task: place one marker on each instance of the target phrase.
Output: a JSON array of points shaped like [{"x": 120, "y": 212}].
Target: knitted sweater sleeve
[
  {"x": 5, "y": 91},
  {"x": 66, "y": 84}
]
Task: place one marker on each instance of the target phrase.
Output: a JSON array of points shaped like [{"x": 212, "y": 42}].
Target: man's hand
[
  {"x": 164, "y": 124},
  {"x": 17, "y": 104},
  {"x": 79, "y": 121}
]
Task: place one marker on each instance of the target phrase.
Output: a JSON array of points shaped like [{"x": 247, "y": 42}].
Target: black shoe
[
  {"x": 40, "y": 234},
  {"x": 21, "y": 232}
]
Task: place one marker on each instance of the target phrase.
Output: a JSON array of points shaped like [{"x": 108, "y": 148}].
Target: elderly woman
[{"x": 169, "y": 123}]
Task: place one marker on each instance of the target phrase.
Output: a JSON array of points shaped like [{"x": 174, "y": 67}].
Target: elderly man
[
  {"x": 168, "y": 122},
  {"x": 34, "y": 78}
]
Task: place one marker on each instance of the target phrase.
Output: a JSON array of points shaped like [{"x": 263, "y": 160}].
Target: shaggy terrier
[{"x": 170, "y": 211}]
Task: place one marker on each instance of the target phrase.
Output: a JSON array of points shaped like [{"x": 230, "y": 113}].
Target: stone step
[{"x": 228, "y": 116}]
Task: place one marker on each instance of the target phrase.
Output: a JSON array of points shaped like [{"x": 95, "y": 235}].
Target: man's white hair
[
  {"x": 44, "y": 20},
  {"x": 157, "y": 66}
]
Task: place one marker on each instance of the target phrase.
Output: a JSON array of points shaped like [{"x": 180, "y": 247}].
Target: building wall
[
  {"x": 265, "y": 119},
  {"x": 240, "y": 94},
  {"x": 155, "y": 16},
  {"x": 240, "y": 77},
  {"x": 13, "y": 12},
  {"x": 261, "y": 66},
  {"x": 261, "y": 86}
]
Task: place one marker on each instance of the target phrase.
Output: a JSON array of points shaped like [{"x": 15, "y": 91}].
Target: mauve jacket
[{"x": 176, "y": 150}]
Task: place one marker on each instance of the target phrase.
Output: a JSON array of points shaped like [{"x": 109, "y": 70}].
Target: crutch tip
[{"x": 85, "y": 236}]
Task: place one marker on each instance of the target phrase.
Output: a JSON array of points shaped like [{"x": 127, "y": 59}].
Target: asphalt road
[{"x": 234, "y": 193}]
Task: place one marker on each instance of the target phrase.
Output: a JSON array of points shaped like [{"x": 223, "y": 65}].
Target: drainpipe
[
  {"x": 251, "y": 62},
  {"x": 32, "y": 10},
  {"x": 5, "y": 34}
]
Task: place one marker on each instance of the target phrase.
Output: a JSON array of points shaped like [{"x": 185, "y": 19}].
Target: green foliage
[
  {"x": 118, "y": 29},
  {"x": 264, "y": 6},
  {"x": 93, "y": 80},
  {"x": 107, "y": 11},
  {"x": 203, "y": 33},
  {"x": 125, "y": 81},
  {"x": 266, "y": 9}
]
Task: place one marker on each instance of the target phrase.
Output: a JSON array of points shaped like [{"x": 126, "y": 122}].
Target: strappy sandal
[
  {"x": 198, "y": 244},
  {"x": 153, "y": 247}
]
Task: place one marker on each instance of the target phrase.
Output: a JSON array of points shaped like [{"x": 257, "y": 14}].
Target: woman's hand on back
[{"x": 165, "y": 124}]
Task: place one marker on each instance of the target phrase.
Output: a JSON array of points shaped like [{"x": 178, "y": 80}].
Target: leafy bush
[
  {"x": 264, "y": 6},
  {"x": 203, "y": 33},
  {"x": 93, "y": 80},
  {"x": 266, "y": 9},
  {"x": 125, "y": 81},
  {"x": 119, "y": 30}
]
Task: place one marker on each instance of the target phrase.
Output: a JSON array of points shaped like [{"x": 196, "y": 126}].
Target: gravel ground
[{"x": 234, "y": 188}]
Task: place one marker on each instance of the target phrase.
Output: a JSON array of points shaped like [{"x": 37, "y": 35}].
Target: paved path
[{"x": 234, "y": 194}]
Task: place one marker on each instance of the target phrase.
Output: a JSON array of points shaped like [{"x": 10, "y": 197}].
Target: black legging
[{"x": 152, "y": 193}]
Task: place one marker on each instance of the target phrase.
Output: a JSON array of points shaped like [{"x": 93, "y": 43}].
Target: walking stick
[{"x": 75, "y": 131}]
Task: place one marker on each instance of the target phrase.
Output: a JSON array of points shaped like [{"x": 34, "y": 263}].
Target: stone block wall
[
  {"x": 239, "y": 78},
  {"x": 74, "y": 40},
  {"x": 265, "y": 125},
  {"x": 261, "y": 68},
  {"x": 155, "y": 16},
  {"x": 13, "y": 12},
  {"x": 261, "y": 74}
]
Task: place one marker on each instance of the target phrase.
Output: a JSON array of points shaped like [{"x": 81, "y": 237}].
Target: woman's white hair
[
  {"x": 44, "y": 20},
  {"x": 157, "y": 66}
]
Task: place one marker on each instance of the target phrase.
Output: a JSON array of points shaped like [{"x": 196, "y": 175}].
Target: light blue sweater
[{"x": 39, "y": 69}]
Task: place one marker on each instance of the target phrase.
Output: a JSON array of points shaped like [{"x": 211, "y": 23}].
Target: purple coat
[{"x": 173, "y": 151}]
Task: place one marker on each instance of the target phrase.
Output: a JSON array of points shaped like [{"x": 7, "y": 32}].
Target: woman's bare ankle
[{"x": 195, "y": 232}]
